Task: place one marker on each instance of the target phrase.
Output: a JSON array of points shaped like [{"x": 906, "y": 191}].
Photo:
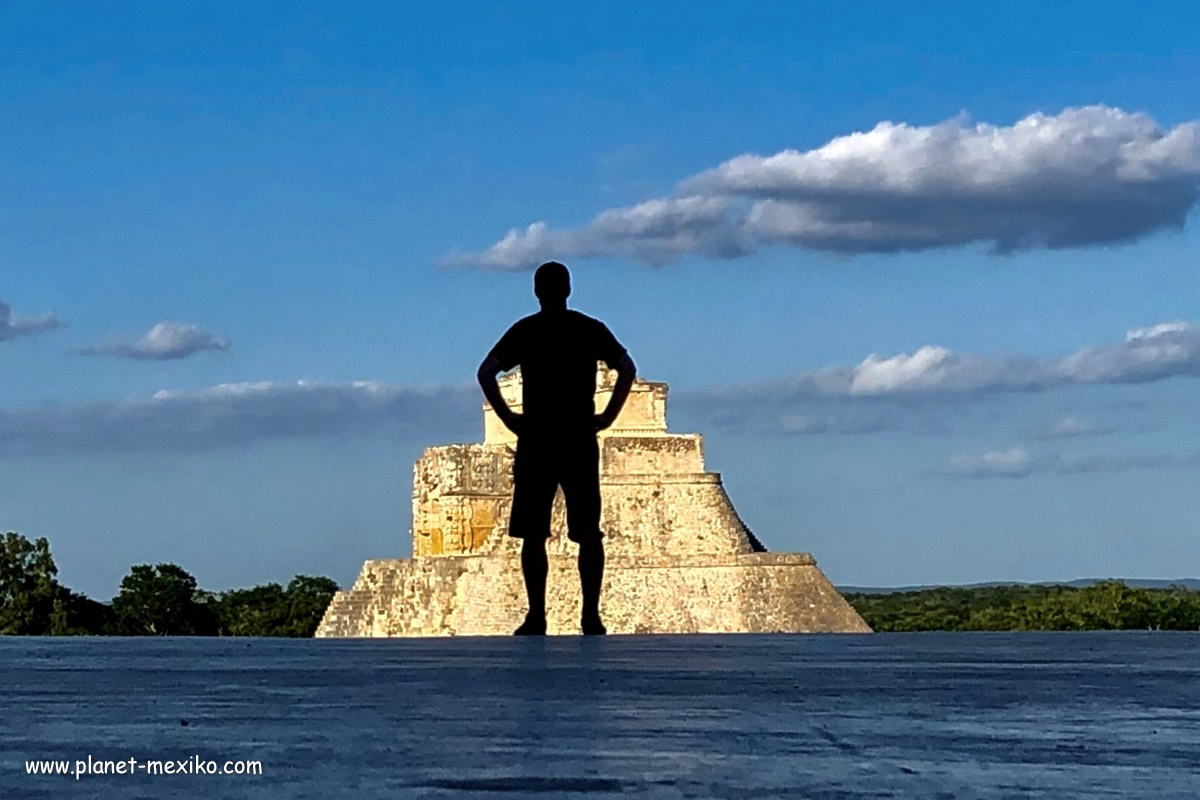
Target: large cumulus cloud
[{"x": 1085, "y": 176}]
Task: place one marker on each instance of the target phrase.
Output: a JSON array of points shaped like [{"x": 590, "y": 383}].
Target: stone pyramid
[{"x": 679, "y": 559}]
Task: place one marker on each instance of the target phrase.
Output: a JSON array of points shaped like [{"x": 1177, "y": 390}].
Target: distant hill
[{"x": 1078, "y": 583}]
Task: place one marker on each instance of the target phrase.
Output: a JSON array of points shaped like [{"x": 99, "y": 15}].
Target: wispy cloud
[
  {"x": 1082, "y": 177},
  {"x": 1021, "y": 463},
  {"x": 841, "y": 422},
  {"x": 12, "y": 326},
  {"x": 1014, "y": 463},
  {"x": 850, "y": 399},
  {"x": 1145, "y": 355},
  {"x": 1069, "y": 427},
  {"x": 241, "y": 413},
  {"x": 656, "y": 231},
  {"x": 163, "y": 342},
  {"x": 878, "y": 394}
]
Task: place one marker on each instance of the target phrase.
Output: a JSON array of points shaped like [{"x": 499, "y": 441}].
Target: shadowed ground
[{"x": 886, "y": 716}]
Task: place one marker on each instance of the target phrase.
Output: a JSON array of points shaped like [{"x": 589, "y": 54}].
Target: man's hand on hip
[{"x": 514, "y": 422}]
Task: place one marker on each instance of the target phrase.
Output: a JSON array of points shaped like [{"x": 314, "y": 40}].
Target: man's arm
[
  {"x": 626, "y": 372},
  {"x": 488, "y": 371}
]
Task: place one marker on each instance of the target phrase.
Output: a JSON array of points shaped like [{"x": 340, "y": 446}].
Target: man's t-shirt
[{"x": 557, "y": 352}]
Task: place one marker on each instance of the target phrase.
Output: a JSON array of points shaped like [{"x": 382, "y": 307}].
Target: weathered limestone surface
[{"x": 680, "y": 560}]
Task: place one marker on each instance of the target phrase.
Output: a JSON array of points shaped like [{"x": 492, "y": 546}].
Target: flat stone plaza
[{"x": 913, "y": 716}]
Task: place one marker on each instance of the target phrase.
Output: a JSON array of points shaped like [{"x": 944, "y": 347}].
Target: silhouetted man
[{"x": 557, "y": 350}]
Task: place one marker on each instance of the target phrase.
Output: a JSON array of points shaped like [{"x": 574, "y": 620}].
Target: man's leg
[
  {"x": 591, "y": 580},
  {"x": 533, "y": 496},
  {"x": 581, "y": 488},
  {"x": 534, "y": 566}
]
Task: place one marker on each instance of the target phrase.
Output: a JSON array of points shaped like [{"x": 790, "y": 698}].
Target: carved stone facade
[{"x": 679, "y": 559}]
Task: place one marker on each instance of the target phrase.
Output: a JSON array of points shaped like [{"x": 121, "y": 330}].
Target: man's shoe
[
  {"x": 592, "y": 626},
  {"x": 532, "y": 626}
]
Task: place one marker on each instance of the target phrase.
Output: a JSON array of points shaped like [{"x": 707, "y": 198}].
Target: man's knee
[
  {"x": 591, "y": 545},
  {"x": 585, "y": 536},
  {"x": 533, "y": 545},
  {"x": 583, "y": 526}
]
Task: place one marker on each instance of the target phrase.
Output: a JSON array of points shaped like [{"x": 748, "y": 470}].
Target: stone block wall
[
  {"x": 680, "y": 559},
  {"x": 474, "y": 596},
  {"x": 644, "y": 413}
]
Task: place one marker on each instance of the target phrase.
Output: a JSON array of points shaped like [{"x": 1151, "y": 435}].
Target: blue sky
[{"x": 313, "y": 193}]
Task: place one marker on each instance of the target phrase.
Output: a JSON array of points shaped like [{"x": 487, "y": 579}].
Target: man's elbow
[{"x": 488, "y": 370}]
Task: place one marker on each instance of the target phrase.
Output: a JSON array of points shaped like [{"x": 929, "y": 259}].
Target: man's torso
[{"x": 557, "y": 352}]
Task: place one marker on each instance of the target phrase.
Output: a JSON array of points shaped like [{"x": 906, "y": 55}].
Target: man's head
[{"x": 552, "y": 284}]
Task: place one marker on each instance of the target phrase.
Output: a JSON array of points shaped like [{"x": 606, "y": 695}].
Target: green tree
[
  {"x": 79, "y": 615},
  {"x": 29, "y": 589},
  {"x": 272, "y": 610},
  {"x": 1108, "y": 605},
  {"x": 33, "y": 602},
  {"x": 162, "y": 601},
  {"x": 259, "y": 611},
  {"x": 308, "y": 597}
]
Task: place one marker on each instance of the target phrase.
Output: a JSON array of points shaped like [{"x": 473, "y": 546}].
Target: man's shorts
[{"x": 541, "y": 465}]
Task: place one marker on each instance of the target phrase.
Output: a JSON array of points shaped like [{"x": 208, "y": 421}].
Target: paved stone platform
[{"x": 962, "y": 716}]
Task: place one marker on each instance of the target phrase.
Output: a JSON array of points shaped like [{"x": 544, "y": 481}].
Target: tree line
[
  {"x": 1107, "y": 605},
  {"x": 164, "y": 600},
  {"x": 153, "y": 600}
]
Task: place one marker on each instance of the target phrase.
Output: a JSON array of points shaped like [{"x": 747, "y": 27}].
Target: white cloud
[
  {"x": 845, "y": 400},
  {"x": 1069, "y": 427},
  {"x": 1085, "y": 176},
  {"x": 1147, "y": 354},
  {"x": 164, "y": 341},
  {"x": 837, "y": 423},
  {"x": 656, "y": 232},
  {"x": 12, "y": 326},
  {"x": 889, "y": 392},
  {"x": 1020, "y": 463},
  {"x": 1013, "y": 463},
  {"x": 240, "y": 413}
]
